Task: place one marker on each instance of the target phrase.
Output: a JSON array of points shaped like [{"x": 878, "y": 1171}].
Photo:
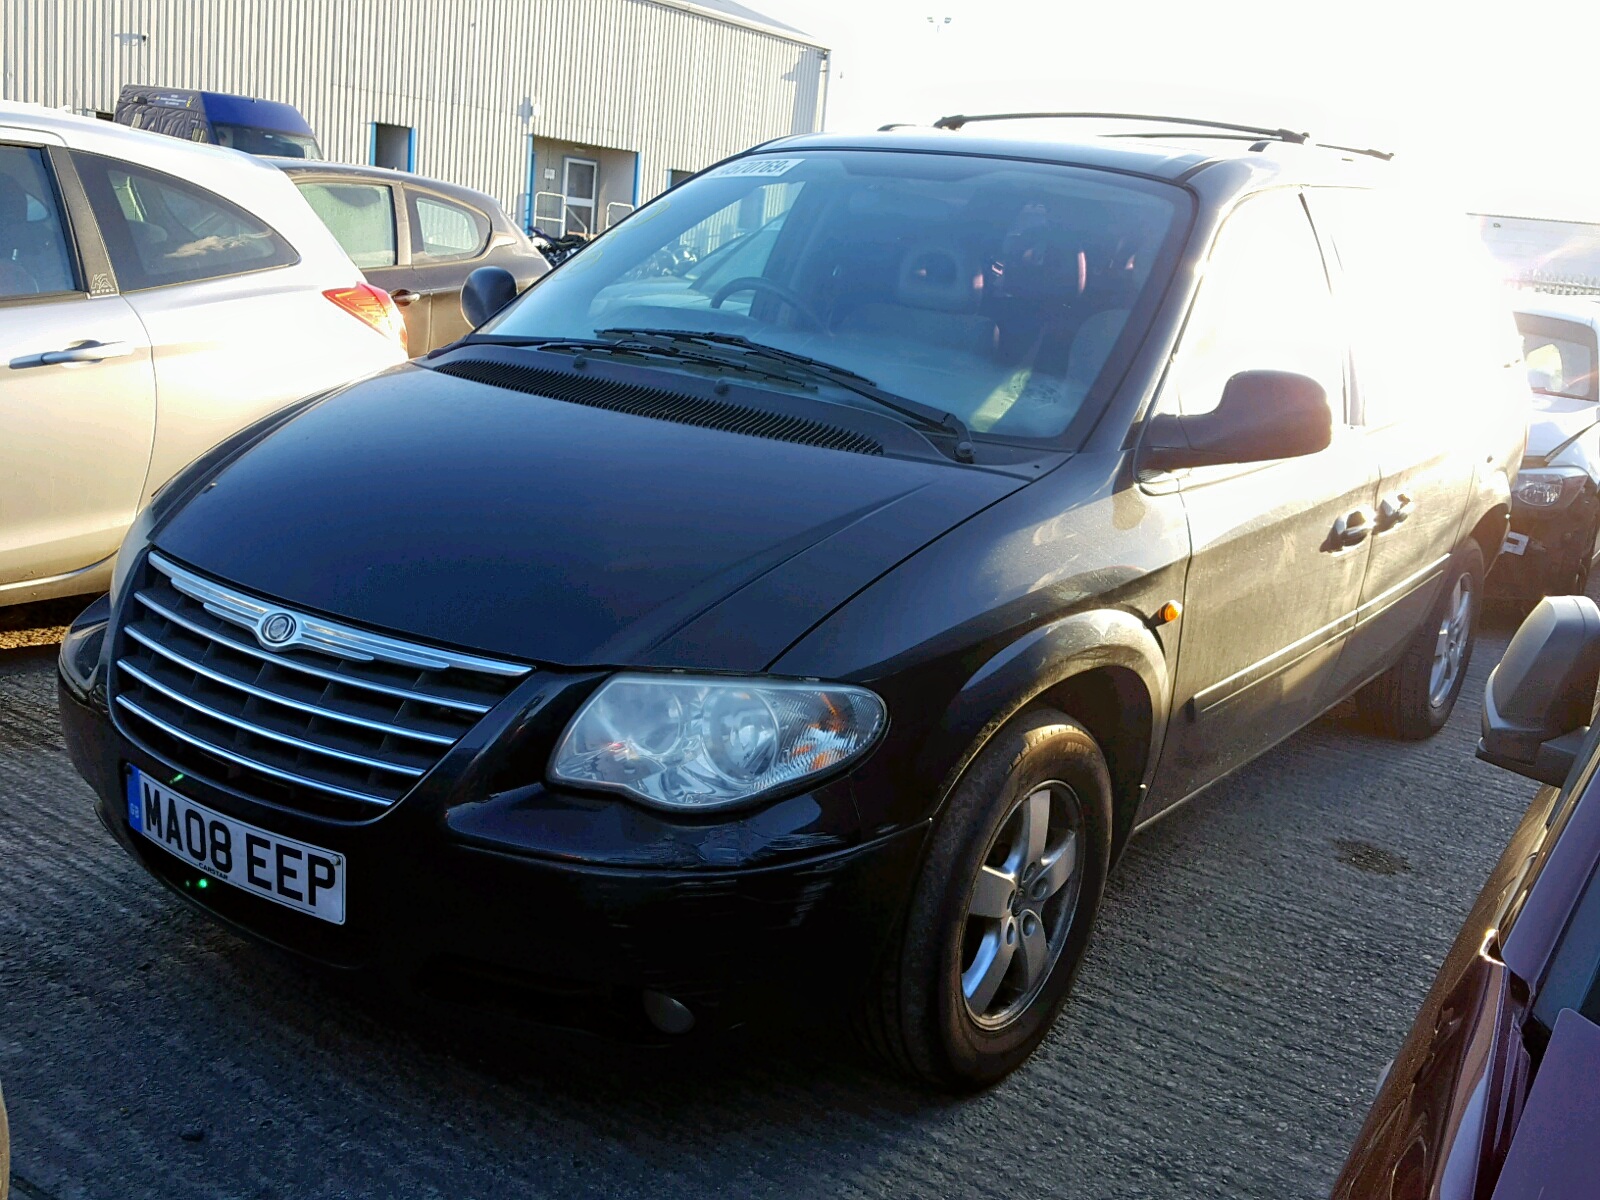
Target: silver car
[{"x": 155, "y": 297}]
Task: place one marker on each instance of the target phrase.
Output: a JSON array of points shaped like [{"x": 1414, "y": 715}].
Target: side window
[
  {"x": 443, "y": 231},
  {"x": 35, "y": 259},
  {"x": 359, "y": 215},
  {"x": 1264, "y": 304},
  {"x": 160, "y": 230},
  {"x": 1426, "y": 317},
  {"x": 1560, "y": 356}
]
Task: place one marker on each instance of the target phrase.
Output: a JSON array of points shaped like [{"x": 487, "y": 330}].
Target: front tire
[
  {"x": 1413, "y": 699},
  {"x": 1002, "y": 909}
]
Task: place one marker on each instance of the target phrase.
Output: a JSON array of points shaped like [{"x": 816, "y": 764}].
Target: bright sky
[{"x": 1498, "y": 102}]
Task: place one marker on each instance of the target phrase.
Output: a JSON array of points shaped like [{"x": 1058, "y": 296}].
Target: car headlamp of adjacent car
[
  {"x": 1548, "y": 488},
  {"x": 698, "y": 743}
]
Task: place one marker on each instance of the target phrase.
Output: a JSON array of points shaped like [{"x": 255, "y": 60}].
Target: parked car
[
  {"x": 826, "y": 633},
  {"x": 1496, "y": 1091},
  {"x": 1555, "y": 505},
  {"x": 238, "y": 122},
  {"x": 155, "y": 297},
  {"x": 416, "y": 238}
]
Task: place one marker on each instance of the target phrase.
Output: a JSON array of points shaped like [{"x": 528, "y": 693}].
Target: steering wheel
[{"x": 755, "y": 283}]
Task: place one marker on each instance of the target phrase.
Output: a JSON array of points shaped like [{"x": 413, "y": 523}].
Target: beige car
[{"x": 155, "y": 297}]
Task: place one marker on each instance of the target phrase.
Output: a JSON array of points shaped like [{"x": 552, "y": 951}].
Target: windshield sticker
[{"x": 758, "y": 166}]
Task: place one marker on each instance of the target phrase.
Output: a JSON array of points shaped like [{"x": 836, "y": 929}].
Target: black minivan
[{"x": 809, "y": 587}]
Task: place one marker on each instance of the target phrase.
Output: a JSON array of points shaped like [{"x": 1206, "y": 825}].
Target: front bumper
[
  {"x": 484, "y": 901},
  {"x": 1544, "y": 550}
]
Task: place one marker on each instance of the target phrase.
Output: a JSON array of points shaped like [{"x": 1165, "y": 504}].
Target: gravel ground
[{"x": 1258, "y": 960}]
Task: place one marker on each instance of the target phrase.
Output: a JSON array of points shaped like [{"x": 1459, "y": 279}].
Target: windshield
[
  {"x": 994, "y": 290},
  {"x": 266, "y": 141},
  {"x": 1560, "y": 356}
]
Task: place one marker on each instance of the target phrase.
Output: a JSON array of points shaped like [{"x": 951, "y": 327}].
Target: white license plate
[
  {"x": 303, "y": 877},
  {"x": 1515, "y": 543}
]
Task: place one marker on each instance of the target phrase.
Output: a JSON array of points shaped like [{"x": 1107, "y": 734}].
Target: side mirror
[
  {"x": 1540, "y": 381},
  {"x": 486, "y": 291},
  {"x": 1540, "y": 700},
  {"x": 1262, "y": 415}
]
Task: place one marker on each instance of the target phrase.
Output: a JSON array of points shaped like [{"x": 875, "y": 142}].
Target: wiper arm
[{"x": 678, "y": 339}]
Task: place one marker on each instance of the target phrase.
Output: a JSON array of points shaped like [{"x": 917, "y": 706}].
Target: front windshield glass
[
  {"x": 995, "y": 290},
  {"x": 266, "y": 141}
]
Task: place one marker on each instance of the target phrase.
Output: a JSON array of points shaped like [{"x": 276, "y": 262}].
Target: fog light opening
[{"x": 666, "y": 1014}]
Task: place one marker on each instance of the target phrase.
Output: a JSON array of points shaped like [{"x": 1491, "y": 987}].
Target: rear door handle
[
  {"x": 1351, "y": 529},
  {"x": 1394, "y": 509},
  {"x": 406, "y": 296},
  {"x": 87, "y": 352}
]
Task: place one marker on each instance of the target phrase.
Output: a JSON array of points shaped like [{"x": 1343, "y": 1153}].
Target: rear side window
[
  {"x": 1264, "y": 304},
  {"x": 34, "y": 256},
  {"x": 160, "y": 230},
  {"x": 442, "y": 230},
  {"x": 1427, "y": 321},
  {"x": 360, "y": 216}
]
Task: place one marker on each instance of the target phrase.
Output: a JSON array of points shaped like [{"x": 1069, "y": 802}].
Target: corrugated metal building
[{"x": 586, "y": 108}]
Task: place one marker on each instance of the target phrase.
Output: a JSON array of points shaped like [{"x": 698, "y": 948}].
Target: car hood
[
  {"x": 1556, "y": 419},
  {"x": 456, "y": 512}
]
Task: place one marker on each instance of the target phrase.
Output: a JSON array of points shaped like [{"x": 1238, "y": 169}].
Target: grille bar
[
  {"x": 273, "y": 735},
  {"x": 290, "y": 708},
  {"x": 330, "y": 637},
  {"x": 240, "y": 760},
  {"x": 273, "y": 698},
  {"x": 279, "y": 660}
]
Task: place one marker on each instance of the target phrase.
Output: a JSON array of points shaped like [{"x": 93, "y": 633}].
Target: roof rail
[
  {"x": 1230, "y": 130},
  {"x": 1282, "y": 135}
]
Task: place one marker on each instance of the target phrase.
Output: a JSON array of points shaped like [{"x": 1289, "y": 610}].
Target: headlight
[
  {"x": 1548, "y": 489},
  {"x": 695, "y": 744}
]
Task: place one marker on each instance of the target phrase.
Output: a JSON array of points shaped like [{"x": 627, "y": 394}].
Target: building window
[
  {"x": 674, "y": 178},
  {"x": 394, "y": 146}
]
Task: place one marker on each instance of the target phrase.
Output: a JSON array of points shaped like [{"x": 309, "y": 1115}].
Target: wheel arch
[
  {"x": 1490, "y": 533},
  {"x": 1105, "y": 669}
]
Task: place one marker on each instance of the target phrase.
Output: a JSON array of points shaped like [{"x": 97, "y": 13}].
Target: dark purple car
[{"x": 1496, "y": 1091}]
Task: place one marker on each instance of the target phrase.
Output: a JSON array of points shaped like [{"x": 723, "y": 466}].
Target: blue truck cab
[{"x": 242, "y": 122}]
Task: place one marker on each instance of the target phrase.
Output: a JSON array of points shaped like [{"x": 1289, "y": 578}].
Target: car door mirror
[
  {"x": 1541, "y": 381},
  {"x": 1262, "y": 415},
  {"x": 486, "y": 291},
  {"x": 1539, "y": 701}
]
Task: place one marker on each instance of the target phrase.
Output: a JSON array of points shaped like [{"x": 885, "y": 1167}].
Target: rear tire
[
  {"x": 1001, "y": 911},
  {"x": 1413, "y": 699}
]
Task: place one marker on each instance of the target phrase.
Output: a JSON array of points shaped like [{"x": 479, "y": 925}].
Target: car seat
[{"x": 15, "y": 234}]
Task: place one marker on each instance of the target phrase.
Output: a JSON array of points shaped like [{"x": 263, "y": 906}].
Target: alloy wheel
[
  {"x": 1450, "y": 646},
  {"x": 1022, "y": 904}
]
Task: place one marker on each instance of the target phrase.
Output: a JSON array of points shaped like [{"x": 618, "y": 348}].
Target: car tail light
[{"x": 374, "y": 306}]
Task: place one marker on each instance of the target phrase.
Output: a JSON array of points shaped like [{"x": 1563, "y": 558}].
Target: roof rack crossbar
[{"x": 1283, "y": 135}]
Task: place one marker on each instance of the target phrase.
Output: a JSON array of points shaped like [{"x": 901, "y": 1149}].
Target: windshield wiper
[{"x": 693, "y": 343}]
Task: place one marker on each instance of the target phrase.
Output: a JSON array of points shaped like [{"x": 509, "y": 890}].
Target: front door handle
[
  {"x": 1394, "y": 509},
  {"x": 405, "y": 297},
  {"x": 85, "y": 352},
  {"x": 1351, "y": 529}
]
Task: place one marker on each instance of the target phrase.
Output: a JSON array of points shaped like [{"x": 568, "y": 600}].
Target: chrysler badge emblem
[{"x": 277, "y": 629}]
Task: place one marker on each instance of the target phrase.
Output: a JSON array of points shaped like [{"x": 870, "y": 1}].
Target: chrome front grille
[{"x": 290, "y": 708}]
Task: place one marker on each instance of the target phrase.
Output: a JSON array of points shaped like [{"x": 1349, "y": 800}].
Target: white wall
[{"x": 475, "y": 78}]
